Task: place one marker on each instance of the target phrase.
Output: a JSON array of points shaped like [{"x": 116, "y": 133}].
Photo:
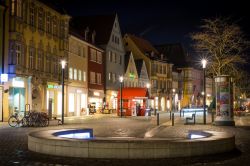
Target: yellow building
[
  {"x": 38, "y": 41},
  {"x": 159, "y": 70}
]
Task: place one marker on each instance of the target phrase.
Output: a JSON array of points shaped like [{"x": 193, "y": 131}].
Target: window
[
  {"x": 113, "y": 77},
  {"x": 18, "y": 54},
  {"x": 48, "y": 23},
  {"x": 13, "y": 7},
  {"x": 32, "y": 15},
  {"x": 31, "y": 58},
  {"x": 99, "y": 78},
  {"x": 70, "y": 73},
  {"x": 79, "y": 75},
  {"x": 113, "y": 57},
  {"x": 55, "y": 67},
  {"x": 110, "y": 76},
  {"x": 99, "y": 57},
  {"x": 83, "y": 51},
  {"x": 39, "y": 60},
  {"x": 48, "y": 64},
  {"x": 79, "y": 51},
  {"x": 120, "y": 59},
  {"x": 55, "y": 26},
  {"x": 93, "y": 55},
  {"x": 19, "y": 8},
  {"x": 84, "y": 76},
  {"x": 110, "y": 56},
  {"x": 40, "y": 19},
  {"x": 75, "y": 74},
  {"x": 92, "y": 77}
]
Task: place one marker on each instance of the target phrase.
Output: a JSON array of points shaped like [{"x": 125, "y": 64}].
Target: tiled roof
[
  {"x": 175, "y": 54},
  {"x": 102, "y": 24},
  {"x": 144, "y": 45}
]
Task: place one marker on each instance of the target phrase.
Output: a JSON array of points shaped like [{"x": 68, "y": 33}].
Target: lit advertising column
[{"x": 224, "y": 101}]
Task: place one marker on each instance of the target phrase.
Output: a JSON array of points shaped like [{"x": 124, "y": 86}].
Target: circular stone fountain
[{"x": 78, "y": 143}]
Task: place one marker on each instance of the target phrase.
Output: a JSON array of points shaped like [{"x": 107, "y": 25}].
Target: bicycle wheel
[
  {"x": 13, "y": 121},
  {"x": 25, "y": 122}
]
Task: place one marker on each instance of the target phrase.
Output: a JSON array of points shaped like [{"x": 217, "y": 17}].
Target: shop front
[
  {"x": 95, "y": 99},
  {"x": 111, "y": 99},
  {"x": 134, "y": 101},
  {"x": 54, "y": 99},
  {"x": 17, "y": 95},
  {"x": 77, "y": 101}
]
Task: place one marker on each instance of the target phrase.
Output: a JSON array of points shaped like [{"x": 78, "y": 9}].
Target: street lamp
[
  {"x": 173, "y": 100},
  {"x": 121, "y": 82},
  {"x": 204, "y": 64},
  {"x": 148, "y": 86},
  {"x": 63, "y": 63}
]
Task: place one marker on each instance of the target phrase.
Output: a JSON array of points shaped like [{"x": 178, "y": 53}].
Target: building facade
[
  {"x": 96, "y": 77},
  {"x": 38, "y": 40},
  {"x": 159, "y": 70},
  {"x": 77, "y": 76},
  {"x": 143, "y": 78},
  {"x": 130, "y": 75}
]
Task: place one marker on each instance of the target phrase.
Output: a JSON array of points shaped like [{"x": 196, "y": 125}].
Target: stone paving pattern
[{"x": 14, "y": 150}]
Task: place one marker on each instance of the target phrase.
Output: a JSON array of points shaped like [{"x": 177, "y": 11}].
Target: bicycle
[{"x": 15, "y": 120}]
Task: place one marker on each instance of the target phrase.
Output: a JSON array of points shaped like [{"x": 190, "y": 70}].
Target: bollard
[
  {"x": 170, "y": 115},
  {"x": 183, "y": 113},
  {"x": 172, "y": 119},
  {"x": 155, "y": 111},
  {"x": 212, "y": 114},
  {"x": 158, "y": 119},
  {"x": 180, "y": 113}
]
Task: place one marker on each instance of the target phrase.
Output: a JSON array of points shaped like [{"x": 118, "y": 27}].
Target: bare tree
[{"x": 223, "y": 43}]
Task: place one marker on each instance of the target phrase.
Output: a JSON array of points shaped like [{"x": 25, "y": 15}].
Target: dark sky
[{"x": 163, "y": 21}]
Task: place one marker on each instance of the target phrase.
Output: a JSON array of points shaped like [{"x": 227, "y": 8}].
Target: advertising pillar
[{"x": 224, "y": 101}]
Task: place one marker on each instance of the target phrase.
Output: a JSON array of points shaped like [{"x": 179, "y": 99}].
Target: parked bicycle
[{"x": 15, "y": 120}]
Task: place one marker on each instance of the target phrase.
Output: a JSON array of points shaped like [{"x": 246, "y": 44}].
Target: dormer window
[{"x": 86, "y": 33}]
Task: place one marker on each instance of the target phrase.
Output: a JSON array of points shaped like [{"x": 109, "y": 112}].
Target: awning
[{"x": 130, "y": 93}]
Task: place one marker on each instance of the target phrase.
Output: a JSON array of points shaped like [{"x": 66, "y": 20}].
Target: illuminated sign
[
  {"x": 17, "y": 83},
  {"x": 96, "y": 94},
  {"x": 131, "y": 75},
  {"x": 4, "y": 77},
  {"x": 50, "y": 86}
]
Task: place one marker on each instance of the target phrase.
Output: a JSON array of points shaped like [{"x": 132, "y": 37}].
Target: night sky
[{"x": 163, "y": 21}]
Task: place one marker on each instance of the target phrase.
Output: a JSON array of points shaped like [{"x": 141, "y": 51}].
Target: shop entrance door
[{"x": 17, "y": 100}]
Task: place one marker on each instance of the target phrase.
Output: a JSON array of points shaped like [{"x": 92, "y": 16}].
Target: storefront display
[{"x": 134, "y": 101}]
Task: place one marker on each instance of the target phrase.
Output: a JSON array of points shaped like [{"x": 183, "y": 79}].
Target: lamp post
[
  {"x": 121, "y": 82},
  {"x": 148, "y": 86},
  {"x": 204, "y": 64},
  {"x": 173, "y": 100},
  {"x": 63, "y": 63}
]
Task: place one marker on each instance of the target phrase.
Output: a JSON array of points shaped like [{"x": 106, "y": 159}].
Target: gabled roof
[
  {"x": 144, "y": 45},
  {"x": 102, "y": 24},
  {"x": 139, "y": 64},
  {"x": 175, "y": 54}
]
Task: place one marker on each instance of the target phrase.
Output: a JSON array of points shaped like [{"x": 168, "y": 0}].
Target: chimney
[
  {"x": 93, "y": 37},
  {"x": 86, "y": 33}
]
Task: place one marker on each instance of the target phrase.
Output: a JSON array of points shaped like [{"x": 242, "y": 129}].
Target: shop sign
[
  {"x": 17, "y": 83},
  {"x": 132, "y": 75},
  {"x": 51, "y": 86},
  {"x": 4, "y": 77}
]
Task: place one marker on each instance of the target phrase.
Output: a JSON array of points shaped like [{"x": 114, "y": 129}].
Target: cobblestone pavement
[{"x": 14, "y": 151}]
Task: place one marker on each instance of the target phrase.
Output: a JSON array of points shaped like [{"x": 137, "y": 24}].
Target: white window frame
[
  {"x": 92, "y": 78},
  {"x": 75, "y": 74},
  {"x": 71, "y": 73},
  {"x": 79, "y": 75}
]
